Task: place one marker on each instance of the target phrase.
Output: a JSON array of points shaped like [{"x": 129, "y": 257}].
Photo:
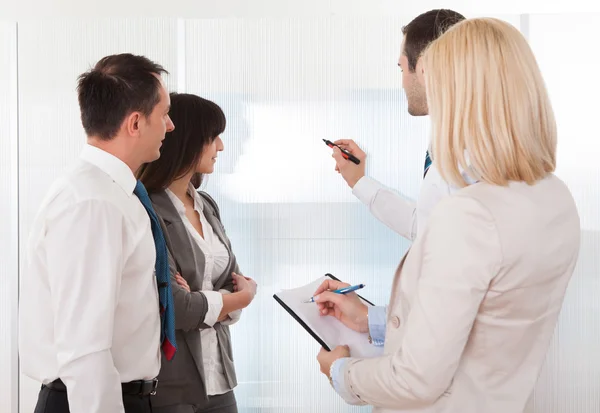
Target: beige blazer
[{"x": 474, "y": 303}]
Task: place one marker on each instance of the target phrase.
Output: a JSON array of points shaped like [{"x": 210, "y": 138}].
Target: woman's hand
[
  {"x": 348, "y": 308},
  {"x": 327, "y": 358},
  {"x": 182, "y": 282},
  {"x": 244, "y": 285}
]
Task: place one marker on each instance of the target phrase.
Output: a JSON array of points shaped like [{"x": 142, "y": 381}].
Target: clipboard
[{"x": 332, "y": 331}]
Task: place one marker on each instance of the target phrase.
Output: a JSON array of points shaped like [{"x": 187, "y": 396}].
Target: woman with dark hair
[{"x": 207, "y": 291}]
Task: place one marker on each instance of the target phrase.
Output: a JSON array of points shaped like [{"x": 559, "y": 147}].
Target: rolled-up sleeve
[
  {"x": 214, "y": 299},
  {"x": 234, "y": 316}
]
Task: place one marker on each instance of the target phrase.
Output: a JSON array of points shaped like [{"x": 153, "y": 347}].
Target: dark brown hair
[
  {"x": 197, "y": 123},
  {"x": 117, "y": 86},
  {"x": 424, "y": 29}
]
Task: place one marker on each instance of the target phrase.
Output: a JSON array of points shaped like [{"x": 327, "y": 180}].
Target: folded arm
[{"x": 202, "y": 309}]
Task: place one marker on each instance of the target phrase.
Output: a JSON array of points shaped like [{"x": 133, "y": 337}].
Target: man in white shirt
[
  {"x": 402, "y": 215},
  {"x": 90, "y": 326}
]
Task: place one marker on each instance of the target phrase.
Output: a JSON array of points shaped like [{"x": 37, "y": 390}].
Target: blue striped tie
[
  {"x": 165, "y": 296},
  {"x": 427, "y": 164}
]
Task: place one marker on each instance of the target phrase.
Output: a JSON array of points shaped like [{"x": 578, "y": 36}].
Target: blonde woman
[{"x": 476, "y": 299}]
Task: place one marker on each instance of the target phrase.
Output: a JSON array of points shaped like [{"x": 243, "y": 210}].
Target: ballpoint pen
[
  {"x": 345, "y": 153},
  {"x": 344, "y": 290}
]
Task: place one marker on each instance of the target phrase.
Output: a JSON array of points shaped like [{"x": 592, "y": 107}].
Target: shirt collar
[
  {"x": 198, "y": 206},
  {"x": 112, "y": 166}
]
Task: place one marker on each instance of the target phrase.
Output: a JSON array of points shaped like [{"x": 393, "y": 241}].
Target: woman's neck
[{"x": 180, "y": 187}]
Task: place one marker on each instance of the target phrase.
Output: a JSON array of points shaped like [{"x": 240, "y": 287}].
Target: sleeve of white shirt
[
  {"x": 234, "y": 316},
  {"x": 392, "y": 209},
  {"x": 215, "y": 305},
  {"x": 462, "y": 254},
  {"x": 85, "y": 264}
]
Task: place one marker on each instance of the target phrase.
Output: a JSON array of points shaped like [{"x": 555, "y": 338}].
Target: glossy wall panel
[
  {"x": 564, "y": 46},
  {"x": 285, "y": 84}
]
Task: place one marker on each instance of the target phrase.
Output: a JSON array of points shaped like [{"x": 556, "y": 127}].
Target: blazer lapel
[
  {"x": 219, "y": 231},
  {"x": 187, "y": 254},
  {"x": 215, "y": 223}
]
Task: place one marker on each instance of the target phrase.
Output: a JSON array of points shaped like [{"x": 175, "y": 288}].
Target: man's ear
[
  {"x": 419, "y": 66},
  {"x": 420, "y": 71},
  {"x": 132, "y": 123}
]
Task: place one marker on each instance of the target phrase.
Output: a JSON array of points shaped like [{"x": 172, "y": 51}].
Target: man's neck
[{"x": 117, "y": 150}]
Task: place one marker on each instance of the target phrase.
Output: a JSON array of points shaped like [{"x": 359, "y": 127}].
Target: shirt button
[{"x": 395, "y": 322}]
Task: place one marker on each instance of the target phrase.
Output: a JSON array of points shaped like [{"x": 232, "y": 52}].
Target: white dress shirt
[
  {"x": 89, "y": 311},
  {"x": 216, "y": 260},
  {"x": 402, "y": 215}
]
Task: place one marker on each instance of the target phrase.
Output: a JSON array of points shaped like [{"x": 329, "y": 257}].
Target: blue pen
[{"x": 344, "y": 290}]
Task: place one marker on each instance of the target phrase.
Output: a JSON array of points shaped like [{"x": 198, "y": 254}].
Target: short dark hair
[
  {"x": 117, "y": 86},
  {"x": 424, "y": 29},
  {"x": 197, "y": 123}
]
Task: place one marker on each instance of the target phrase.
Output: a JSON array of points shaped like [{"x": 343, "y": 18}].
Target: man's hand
[
  {"x": 349, "y": 171},
  {"x": 327, "y": 358},
  {"x": 348, "y": 308}
]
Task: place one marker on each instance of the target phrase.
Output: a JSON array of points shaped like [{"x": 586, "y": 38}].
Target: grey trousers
[{"x": 223, "y": 403}]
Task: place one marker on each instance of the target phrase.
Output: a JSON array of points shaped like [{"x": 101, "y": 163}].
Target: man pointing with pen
[{"x": 402, "y": 215}]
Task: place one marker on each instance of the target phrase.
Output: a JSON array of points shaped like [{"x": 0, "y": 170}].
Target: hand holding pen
[
  {"x": 345, "y": 153},
  {"x": 350, "y": 170},
  {"x": 344, "y": 290},
  {"x": 346, "y": 307}
]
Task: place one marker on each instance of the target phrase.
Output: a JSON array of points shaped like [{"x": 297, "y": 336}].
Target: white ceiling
[{"x": 28, "y": 9}]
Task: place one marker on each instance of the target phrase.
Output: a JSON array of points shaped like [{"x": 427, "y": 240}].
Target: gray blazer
[{"x": 181, "y": 380}]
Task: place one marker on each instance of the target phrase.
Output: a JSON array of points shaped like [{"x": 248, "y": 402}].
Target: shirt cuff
[
  {"x": 366, "y": 189},
  {"x": 377, "y": 324},
  {"x": 338, "y": 381},
  {"x": 215, "y": 305},
  {"x": 234, "y": 316}
]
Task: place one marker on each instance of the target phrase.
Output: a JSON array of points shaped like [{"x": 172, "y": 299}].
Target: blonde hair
[{"x": 489, "y": 107}]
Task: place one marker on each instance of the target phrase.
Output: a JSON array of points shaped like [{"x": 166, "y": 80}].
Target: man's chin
[
  {"x": 154, "y": 156},
  {"x": 417, "y": 112}
]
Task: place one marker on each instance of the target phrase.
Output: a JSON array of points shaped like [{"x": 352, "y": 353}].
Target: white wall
[
  {"x": 565, "y": 49},
  {"x": 26, "y": 9},
  {"x": 9, "y": 218}
]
